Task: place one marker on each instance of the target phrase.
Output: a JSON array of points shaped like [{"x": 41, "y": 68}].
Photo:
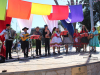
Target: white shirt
[
  {"x": 6, "y": 35},
  {"x": 21, "y": 35}
]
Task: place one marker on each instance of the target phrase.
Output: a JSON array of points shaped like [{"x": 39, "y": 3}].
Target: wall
[{"x": 92, "y": 69}]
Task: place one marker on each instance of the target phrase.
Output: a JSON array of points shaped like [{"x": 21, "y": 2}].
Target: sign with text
[{"x": 79, "y": 70}]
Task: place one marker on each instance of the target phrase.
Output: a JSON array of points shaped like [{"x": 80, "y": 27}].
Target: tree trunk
[
  {"x": 76, "y": 2},
  {"x": 72, "y": 2},
  {"x": 56, "y": 2}
]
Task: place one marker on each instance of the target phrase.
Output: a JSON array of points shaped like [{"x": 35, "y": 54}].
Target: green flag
[{"x": 3, "y": 4}]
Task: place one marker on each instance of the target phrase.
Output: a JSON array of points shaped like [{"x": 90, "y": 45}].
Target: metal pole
[{"x": 91, "y": 14}]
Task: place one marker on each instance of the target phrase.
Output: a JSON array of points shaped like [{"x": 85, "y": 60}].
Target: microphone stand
[
  {"x": 16, "y": 48},
  {"x": 16, "y": 43}
]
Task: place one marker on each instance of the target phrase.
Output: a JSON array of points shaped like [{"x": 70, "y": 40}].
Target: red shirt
[
  {"x": 76, "y": 35},
  {"x": 83, "y": 31}
]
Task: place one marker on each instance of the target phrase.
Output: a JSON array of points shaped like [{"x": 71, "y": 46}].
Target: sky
[{"x": 37, "y": 19}]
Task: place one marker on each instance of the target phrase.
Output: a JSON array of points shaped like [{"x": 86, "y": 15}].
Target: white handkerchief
[{"x": 76, "y": 39}]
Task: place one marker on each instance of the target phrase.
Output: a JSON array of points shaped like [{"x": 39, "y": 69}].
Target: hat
[
  {"x": 25, "y": 28},
  {"x": 37, "y": 27},
  {"x": 7, "y": 24}
]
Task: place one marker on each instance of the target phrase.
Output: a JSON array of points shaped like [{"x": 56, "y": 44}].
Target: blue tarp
[{"x": 69, "y": 27}]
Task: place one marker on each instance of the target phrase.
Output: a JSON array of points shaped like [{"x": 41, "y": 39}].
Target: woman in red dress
[
  {"x": 77, "y": 43},
  {"x": 84, "y": 39}
]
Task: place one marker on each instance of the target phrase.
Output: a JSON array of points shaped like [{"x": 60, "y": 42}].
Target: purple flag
[{"x": 76, "y": 14}]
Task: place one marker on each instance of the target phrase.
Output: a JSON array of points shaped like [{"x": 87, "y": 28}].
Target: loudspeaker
[{"x": 2, "y": 59}]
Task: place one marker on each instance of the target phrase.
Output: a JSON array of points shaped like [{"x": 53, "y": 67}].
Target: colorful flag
[
  {"x": 3, "y": 4},
  {"x": 51, "y": 23},
  {"x": 76, "y": 14},
  {"x": 59, "y": 12},
  {"x": 41, "y": 9},
  {"x": 25, "y": 23},
  {"x": 19, "y": 9}
]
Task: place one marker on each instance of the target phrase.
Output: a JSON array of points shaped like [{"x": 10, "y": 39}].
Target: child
[
  {"x": 59, "y": 40},
  {"x": 77, "y": 43}
]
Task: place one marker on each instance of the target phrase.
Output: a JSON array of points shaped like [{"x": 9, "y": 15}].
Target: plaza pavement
[{"x": 50, "y": 62}]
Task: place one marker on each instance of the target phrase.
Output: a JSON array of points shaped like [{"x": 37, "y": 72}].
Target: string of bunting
[{"x": 23, "y": 9}]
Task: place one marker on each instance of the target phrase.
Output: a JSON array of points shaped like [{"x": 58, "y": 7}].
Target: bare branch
[
  {"x": 56, "y": 2},
  {"x": 81, "y": 1},
  {"x": 68, "y": 2}
]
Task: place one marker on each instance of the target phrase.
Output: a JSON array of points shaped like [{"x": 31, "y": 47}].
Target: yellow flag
[
  {"x": 41, "y": 9},
  {"x": 3, "y": 4}
]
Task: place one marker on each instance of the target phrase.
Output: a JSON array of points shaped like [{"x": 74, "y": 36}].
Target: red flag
[
  {"x": 3, "y": 23},
  {"x": 59, "y": 12},
  {"x": 2, "y": 38}
]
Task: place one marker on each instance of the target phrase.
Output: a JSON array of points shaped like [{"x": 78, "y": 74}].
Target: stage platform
[{"x": 63, "y": 64}]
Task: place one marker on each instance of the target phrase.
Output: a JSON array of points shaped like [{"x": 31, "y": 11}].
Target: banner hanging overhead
[
  {"x": 3, "y": 23},
  {"x": 3, "y": 4},
  {"x": 41, "y": 9},
  {"x": 25, "y": 23},
  {"x": 76, "y": 14},
  {"x": 59, "y": 13},
  {"x": 69, "y": 27},
  {"x": 19, "y": 9},
  {"x": 2, "y": 38},
  {"x": 51, "y": 23}
]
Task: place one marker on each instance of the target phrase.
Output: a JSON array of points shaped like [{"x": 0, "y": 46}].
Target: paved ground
[{"x": 57, "y": 61}]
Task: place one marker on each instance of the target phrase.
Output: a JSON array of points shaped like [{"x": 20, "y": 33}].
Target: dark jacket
[{"x": 45, "y": 34}]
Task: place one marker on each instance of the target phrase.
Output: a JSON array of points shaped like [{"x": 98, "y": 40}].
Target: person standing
[
  {"x": 59, "y": 40},
  {"x": 25, "y": 43},
  {"x": 77, "y": 43},
  {"x": 9, "y": 36},
  {"x": 55, "y": 40},
  {"x": 84, "y": 39},
  {"x": 66, "y": 39},
  {"x": 94, "y": 42},
  {"x": 46, "y": 35},
  {"x": 38, "y": 41}
]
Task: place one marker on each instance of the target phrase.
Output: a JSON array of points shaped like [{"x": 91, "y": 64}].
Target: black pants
[
  {"x": 25, "y": 47},
  {"x": 38, "y": 46},
  {"x": 8, "y": 47},
  {"x": 47, "y": 45}
]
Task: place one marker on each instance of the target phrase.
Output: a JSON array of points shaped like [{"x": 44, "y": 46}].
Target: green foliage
[
  {"x": 98, "y": 28},
  {"x": 33, "y": 42},
  {"x": 59, "y": 23},
  {"x": 96, "y": 14},
  {"x": 99, "y": 36},
  {"x": 17, "y": 36}
]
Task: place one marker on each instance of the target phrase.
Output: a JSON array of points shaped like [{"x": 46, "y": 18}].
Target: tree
[
  {"x": 59, "y": 23},
  {"x": 96, "y": 13},
  {"x": 18, "y": 36}
]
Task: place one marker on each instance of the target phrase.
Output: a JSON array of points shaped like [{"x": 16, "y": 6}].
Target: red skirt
[{"x": 77, "y": 43}]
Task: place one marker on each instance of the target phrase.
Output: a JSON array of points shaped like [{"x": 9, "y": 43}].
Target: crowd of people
[{"x": 55, "y": 39}]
